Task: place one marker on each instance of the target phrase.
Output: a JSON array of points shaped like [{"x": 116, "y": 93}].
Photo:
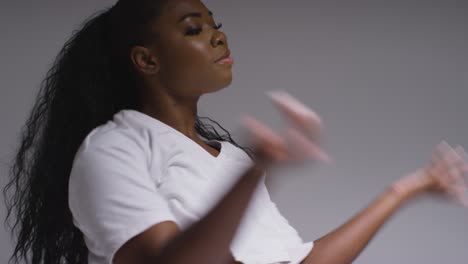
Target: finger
[
  {"x": 447, "y": 153},
  {"x": 456, "y": 163},
  {"x": 259, "y": 130},
  {"x": 299, "y": 113},
  {"x": 305, "y": 147},
  {"x": 445, "y": 159},
  {"x": 452, "y": 177},
  {"x": 460, "y": 197},
  {"x": 264, "y": 136},
  {"x": 441, "y": 149},
  {"x": 450, "y": 167},
  {"x": 456, "y": 156},
  {"x": 449, "y": 182},
  {"x": 437, "y": 157},
  {"x": 464, "y": 156},
  {"x": 464, "y": 166},
  {"x": 462, "y": 153}
]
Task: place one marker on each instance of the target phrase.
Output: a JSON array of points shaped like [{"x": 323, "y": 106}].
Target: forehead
[{"x": 175, "y": 9}]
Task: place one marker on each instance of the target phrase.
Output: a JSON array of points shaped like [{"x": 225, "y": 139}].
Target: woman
[{"x": 112, "y": 167}]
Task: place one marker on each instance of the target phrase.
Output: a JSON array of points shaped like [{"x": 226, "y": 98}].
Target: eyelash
[{"x": 198, "y": 30}]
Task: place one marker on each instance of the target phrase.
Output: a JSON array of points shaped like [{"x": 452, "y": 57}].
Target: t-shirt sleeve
[{"x": 112, "y": 196}]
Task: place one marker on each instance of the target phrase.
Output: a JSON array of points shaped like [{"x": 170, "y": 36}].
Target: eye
[
  {"x": 218, "y": 26},
  {"x": 192, "y": 31}
]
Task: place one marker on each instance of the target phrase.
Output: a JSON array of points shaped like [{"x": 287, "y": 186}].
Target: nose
[{"x": 218, "y": 38}]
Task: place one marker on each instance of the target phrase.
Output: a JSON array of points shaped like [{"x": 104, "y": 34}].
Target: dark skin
[
  {"x": 178, "y": 68},
  {"x": 181, "y": 67},
  {"x": 176, "y": 72}
]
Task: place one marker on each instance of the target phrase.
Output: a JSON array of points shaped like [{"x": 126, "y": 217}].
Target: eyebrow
[{"x": 193, "y": 14}]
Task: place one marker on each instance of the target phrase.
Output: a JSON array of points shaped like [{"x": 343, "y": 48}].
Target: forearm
[
  {"x": 208, "y": 240},
  {"x": 345, "y": 243}
]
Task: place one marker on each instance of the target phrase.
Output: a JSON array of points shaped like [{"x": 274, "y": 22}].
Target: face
[{"x": 188, "y": 47}]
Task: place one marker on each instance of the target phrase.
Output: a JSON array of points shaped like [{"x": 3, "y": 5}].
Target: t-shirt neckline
[{"x": 159, "y": 124}]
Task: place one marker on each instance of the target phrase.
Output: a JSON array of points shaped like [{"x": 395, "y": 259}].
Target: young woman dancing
[{"x": 115, "y": 165}]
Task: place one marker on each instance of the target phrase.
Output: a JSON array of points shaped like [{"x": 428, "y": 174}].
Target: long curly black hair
[{"x": 90, "y": 80}]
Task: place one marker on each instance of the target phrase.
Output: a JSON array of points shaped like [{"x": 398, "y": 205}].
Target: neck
[{"x": 177, "y": 112}]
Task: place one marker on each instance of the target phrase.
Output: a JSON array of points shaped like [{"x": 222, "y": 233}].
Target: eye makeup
[{"x": 192, "y": 31}]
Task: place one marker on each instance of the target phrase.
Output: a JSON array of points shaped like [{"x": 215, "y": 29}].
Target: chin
[
  {"x": 222, "y": 82},
  {"x": 226, "y": 82},
  {"x": 227, "y": 78},
  {"x": 218, "y": 87}
]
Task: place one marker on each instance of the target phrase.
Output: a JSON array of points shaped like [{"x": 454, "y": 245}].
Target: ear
[{"x": 144, "y": 60}]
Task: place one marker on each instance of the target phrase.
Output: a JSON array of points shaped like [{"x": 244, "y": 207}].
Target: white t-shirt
[{"x": 135, "y": 171}]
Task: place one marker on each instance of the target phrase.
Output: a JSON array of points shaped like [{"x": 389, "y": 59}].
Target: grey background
[{"x": 389, "y": 79}]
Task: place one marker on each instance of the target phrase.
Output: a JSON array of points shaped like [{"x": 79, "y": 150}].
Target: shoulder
[{"x": 120, "y": 136}]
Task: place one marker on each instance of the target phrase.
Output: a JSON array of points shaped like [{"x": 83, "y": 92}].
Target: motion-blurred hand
[
  {"x": 299, "y": 143},
  {"x": 446, "y": 173}
]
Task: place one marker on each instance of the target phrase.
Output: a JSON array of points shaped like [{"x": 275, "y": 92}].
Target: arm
[
  {"x": 345, "y": 243},
  {"x": 444, "y": 175},
  {"x": 206, "y": 241}
]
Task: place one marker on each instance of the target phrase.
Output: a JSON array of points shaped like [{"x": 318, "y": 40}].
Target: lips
[{"x": 224, "y": 56}]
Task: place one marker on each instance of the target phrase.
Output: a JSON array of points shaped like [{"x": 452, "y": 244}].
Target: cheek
[
  {"x": 190, "y": 63},
  {"x": 194, "y": 56}
]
